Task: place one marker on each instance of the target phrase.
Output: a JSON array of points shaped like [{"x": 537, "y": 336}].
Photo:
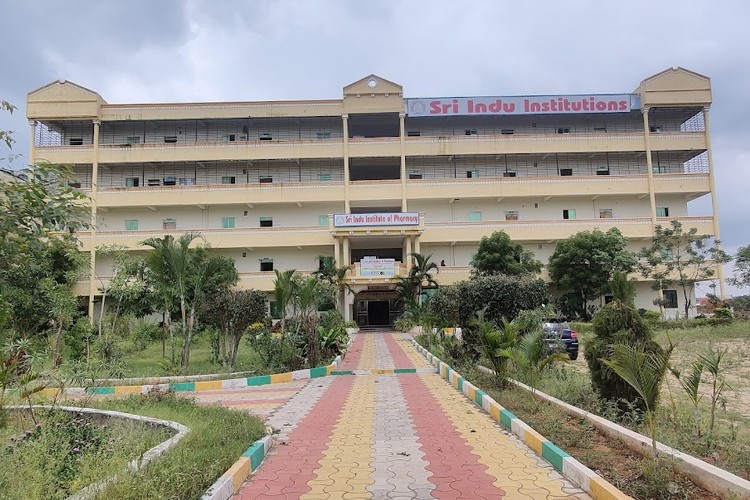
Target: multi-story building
[{"x": 276, "y": 184}]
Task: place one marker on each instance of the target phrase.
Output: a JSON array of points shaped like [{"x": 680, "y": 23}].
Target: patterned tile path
[{"x": 402, "y": 436}]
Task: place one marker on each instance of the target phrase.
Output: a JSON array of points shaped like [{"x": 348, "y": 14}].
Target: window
[
  {"x": 185, "y": 181},
  {"x": 659, "y": 169},
  {"x": 266, "y": 264},
  {"x": 133, "y": 139},
  {"x": 602, "y": 170},
  {"x": 563, "y": 130},
  {"x": 170, "y": 139},
  {"x": 413, "y": 133},
  {"x": 471, "y": 132},
  {"x": 324, "y": 177},
  {"x": 605, "y": 213},
  {"x": 569, "y": 214},
  {"x": 154, "y": 182},
  {"x": 509, "y": 173},
  {"x": 265, "y": 180},
  {"x": 511, "y": 215},
  {"x": 227, "y": 222},
  {"x": 266, "y": 222},
  {"x": 566, "y": 172},
  {"x": 475, "y": 216},
  {"x": 662, "y": 211},
  {"x": 472, "y": 174},
  {"x": 655, "y": 129},
  {"x": 324, "y": 135},
  {"x": 670, "y": 299},
  {"x": 265, "y": 137},
  {"x": 507, "y": 131},
  {"x": 168, "y": 224},
  {"x": 322, "y": 220},
  {"x": 229, "y": 138},
  {"x": 600, "y": 130},
  {"x": 131, "y": 225},
  {"x": 228, "y": 179},
  {"x": 76, "y": 141},
  {"x": 132, "y": 182},
  {"x": 170, "y": 181},
  {"x": 415, "y": 175}
]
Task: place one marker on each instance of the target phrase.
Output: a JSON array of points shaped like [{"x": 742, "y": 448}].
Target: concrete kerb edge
[
  {"x": 710, "y": 477},
  {"x": 202, "y": 385},
  {"x": 232, "y": 480},
  {"x": 572, "y": 469},
  {"x": 137, "y": 463}
]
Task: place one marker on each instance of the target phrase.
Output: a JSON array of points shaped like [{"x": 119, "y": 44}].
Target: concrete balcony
[
  {"x": 549, "y": 230},
  {"x": 218, "y": 238},
  {"x": 221, "y": 194},
  {"x": 691, "y": 185}
]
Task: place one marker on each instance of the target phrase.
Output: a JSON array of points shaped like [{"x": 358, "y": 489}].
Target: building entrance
[
  {"x": 376, "y": 308},
  {"x": 378, "y": 313}
]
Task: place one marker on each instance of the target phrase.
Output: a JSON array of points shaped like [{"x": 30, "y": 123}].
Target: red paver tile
[
  {"x": 400, "y": 359},
  {"x": 445, "y": 450},
  {"x": 286, "y": 472},
  {"x": 354, "y": 353}
]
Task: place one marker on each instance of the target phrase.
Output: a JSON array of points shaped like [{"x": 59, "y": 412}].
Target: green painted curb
[
  {"x": 506, "y": 417},
  {"x": 259, "y": 380},
  {"x": 405, "y": 370},
  {"x": 478, "y": 397},
  {"x": 255, "y": 453},
  {"x": 320, "y": 371},
  {"x": 554, "y": 455},
  {"x": 100, "y": 390},
  {"x": 460, "y": 385},
  {"x": 342, "y": 372},
  {"x": 183, "y": 386}
]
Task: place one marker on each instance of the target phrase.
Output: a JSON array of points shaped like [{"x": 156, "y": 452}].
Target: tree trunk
[
  {"x": 101, "y": 312},
  {"x": 58, "y": 340},
  {"x": 188, "y": 338},
  {"x": 236, "y": 348}
]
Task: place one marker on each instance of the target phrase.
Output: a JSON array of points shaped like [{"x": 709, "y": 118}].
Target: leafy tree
[
  {"x": 284, "y": 287},
  {"x": 497, "y": 254},
  {"x": 584, "y": 264},
  {"x": 741, "y": 278},
  {"x": 420, "y": 274},
  {"x": 336, "y": 276},
  {"x": 681, "y": 257},
  {"x": 232, "y": 313},
  {"x": 494, "y": 343}
]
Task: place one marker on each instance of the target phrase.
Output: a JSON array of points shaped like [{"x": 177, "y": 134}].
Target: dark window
[
  {"x": 563, "y": 130},
  {"x": 266, "y": 222},
  {"x": 168, "y": 224},
  {"x": 132, "y": 182},
  {"x": 566, "y": 172},
  {"x": 266, "y": 265},
  {"x": 569, "y": 214},
  {"x": 415, "y": 175},
  {"x": 507, "y": 131},
  {"x": 266, "y": 137},
  {"x": 471, "y": 132},
  {"x": 265, "y": 180},
  {"x": 76, "y": 141},
  {"x": 413, "y": 133},
  {"x": 228, "y": 179},
  {"x": 509, "y": 174},
  {"x": 600, "y": 130},
  {"x": 170, "y": 181},
  {"x": 154, "y": 182},
  {"x": 170, "y": 139},
  {"x": 603, "y": 170},
  {"x": 670, "y": 299},
  {"x": 655, "y": 129}
]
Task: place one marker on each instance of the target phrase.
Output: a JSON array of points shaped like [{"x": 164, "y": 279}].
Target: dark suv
[{"x": 559, "y": 336}]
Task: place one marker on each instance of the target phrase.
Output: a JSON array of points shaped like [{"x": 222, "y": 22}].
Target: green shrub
[
  {"x": 404, "y": 324},
  {"x": 78, "y": 337},
  {"x": 331, "y": 319},
  {"x": 143, "y": 333},
  {"x": 723, "y": 313},
  {"x": 445, "y": 305},
  {"x": 650, "y": 316}
]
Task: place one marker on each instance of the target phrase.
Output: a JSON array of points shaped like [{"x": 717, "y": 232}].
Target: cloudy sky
[{"x": 171, "y": 50}]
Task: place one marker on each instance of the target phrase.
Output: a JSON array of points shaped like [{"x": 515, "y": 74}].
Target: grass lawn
[
  {"x": 217, "y": 438},
  {"x": 59, "y": 453}
]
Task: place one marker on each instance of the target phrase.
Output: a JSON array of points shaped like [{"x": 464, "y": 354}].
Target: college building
[{"x": 373, "y": 176}]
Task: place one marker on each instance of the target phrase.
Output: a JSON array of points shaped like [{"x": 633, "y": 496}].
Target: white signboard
[
  {"x": 379, "y": 219},
  {"x": 523, "y": 105},
  {"x": 370, "y": 266}
]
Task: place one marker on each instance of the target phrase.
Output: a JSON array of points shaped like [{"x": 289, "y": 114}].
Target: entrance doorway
[{"x": 378, "y": 313}]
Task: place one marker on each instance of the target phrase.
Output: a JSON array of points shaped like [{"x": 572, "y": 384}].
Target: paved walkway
[{"x": 387, "y": 436}]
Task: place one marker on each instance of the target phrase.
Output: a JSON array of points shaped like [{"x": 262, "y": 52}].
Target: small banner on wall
[
  {"x": 377, "y": 219},
  {"x": 371, "y": 266}
]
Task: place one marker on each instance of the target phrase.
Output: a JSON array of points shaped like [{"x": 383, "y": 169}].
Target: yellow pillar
[
  {"x": 416, "y": 244},
  {"x": 407, "y": 250},
  {"x": 650, "y": 167},
  {"x": 337, "y": 251},
  {"x": 32, "y": 142},
  {"x": 714, "y": 203},
  {"x": 402, "y": 134},
  {"x": 94, "y": 182},
  {"x": 347, "y": 204},
  {"x": 346, "y": 258}
]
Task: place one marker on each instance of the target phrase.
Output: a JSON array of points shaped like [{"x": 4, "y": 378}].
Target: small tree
[
  {"x": 741, "y": 278},
  {"x": 531, "y": 355},
  {"x": 497, "y": 254},
  {"x": 681, "y": 257},
  {"x": 584, "y": 264},
  {"x": 330, "y": 272},
  {"x": 494, "y": 342},
  {"x": 420, "y": 274}
]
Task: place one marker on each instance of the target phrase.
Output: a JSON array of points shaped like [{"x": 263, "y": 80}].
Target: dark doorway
[{"x": 378, "y": 313}]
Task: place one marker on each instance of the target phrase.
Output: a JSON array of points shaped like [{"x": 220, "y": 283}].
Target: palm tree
[
  {"x": 420, "y": 273},
  {"x": 284, "y": 289},
  {"x": 644, "y": 371},
  {"x": 494, "y": 341},
  {"x": 531, "y": 355},
  {"x": 335, "y": 275}
]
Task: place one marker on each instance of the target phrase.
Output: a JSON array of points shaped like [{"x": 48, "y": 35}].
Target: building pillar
[
  {"x": 347, "y": 204},
  {"x": 402, "y": 134},
  {"x": 92, "y": 252},
  {"x": 346, "y": 258},
  {"x": 32, "y": 142},
  {"x": 650, "y": 167},
  {"x": 337, "y": 251},
  {"x": 416, "y": 244},
  {"x": 407, "y": 250},
  {"x": 714, "y": 203}
]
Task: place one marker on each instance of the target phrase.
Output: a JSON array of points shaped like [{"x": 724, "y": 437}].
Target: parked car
[{"x": 560, "y": 337}]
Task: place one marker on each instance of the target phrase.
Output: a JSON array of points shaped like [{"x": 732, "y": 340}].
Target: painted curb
[
  {"x": 572, "y": 469},
  {"x": 232, "y": 480},
  {"x": 710, "y": 477},
  {"x": 137, "y": 463}
]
